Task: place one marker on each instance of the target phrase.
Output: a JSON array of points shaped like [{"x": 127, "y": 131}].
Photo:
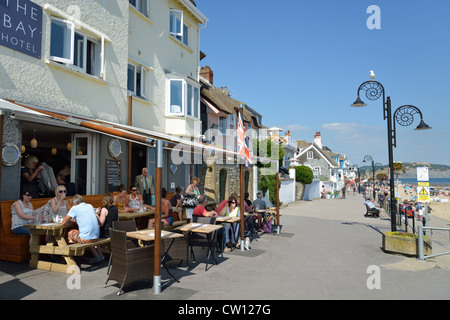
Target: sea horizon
[{"x": 433, "y": 181}]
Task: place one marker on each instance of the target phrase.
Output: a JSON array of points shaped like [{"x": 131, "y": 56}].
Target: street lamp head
[
  {"x": 358, "y": 103},
  {"x": 422, "y": 126}
]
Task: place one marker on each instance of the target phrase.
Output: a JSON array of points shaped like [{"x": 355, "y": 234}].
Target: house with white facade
[{"x": 92, "y": 82}]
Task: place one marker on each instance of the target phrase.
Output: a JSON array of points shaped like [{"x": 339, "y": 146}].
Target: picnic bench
[
  {"x": 58, "y": 246},
  {"x": 15, "y": 248}
]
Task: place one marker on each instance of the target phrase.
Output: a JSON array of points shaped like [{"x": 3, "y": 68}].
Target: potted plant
[
  {"x": 405, "y": 243},
  {"x": 330, "y": 195}
]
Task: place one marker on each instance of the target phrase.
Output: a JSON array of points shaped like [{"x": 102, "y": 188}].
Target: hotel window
[
  {"x": 137, "y": 80},
  {"x": 178, "y": 28},
  {"x": 183, "y": 98},
  {"x": 141, "y": 5},
  {"x": 74, "y": 48}
]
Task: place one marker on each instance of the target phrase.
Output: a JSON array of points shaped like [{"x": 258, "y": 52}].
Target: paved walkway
[{"x": 326, "y": 250}]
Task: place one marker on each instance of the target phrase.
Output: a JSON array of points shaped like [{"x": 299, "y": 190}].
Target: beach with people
[{"x": 439, "y": 201}]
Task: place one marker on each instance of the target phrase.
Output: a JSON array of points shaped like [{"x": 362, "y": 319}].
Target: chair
[
  {"x": 129, "y": 265},
  {"x": 128, "y": 225}
]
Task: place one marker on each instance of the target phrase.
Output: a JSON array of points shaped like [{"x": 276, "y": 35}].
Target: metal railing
[{"x": 420, "y": 240}]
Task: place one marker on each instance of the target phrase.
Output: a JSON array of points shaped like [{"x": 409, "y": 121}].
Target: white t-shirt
[{"x": 87, "y": 221}]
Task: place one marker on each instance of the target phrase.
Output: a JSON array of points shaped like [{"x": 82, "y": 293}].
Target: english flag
[{"x": 242, "y": 143}]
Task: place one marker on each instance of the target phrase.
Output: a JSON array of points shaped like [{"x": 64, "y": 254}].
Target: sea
[{"x": 434, "y": 182}]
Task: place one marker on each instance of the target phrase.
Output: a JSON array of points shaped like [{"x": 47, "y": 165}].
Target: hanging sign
[{"x": 21, "y": 26}]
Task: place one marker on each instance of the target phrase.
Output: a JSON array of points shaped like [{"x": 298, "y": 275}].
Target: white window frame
[
  {"x": 143, "y": 81},
  {"x": 71, "y": 26},
  {"x": 185, "y": 37},
  {"x": 99, "y": 43},
  {"x": 193, "y": 104},
  {"x": 178, "y": 14},
  {"x": 309, "y": 155},
  {"x": 139, "y": 8}
]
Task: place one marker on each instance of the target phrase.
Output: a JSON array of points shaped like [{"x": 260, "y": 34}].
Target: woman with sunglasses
[
  {"x": 22, "y": 213},
  {"x": 59, "y": 204},
  {"x": 231, "y": 209},
  {"x": 134, "y": 199}
]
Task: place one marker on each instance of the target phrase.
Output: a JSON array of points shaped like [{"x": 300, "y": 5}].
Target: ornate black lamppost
[
  {"x": 404, "y": 116},
  {"x": 369, "y": 158}
]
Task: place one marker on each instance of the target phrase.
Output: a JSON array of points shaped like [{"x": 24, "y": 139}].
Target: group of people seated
[
  {"x": 231, "y": 208},
  {"x": 91, "y": 224}
]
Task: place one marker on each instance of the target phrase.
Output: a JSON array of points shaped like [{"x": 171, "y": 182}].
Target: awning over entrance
[{"x": 125, "y": 132}]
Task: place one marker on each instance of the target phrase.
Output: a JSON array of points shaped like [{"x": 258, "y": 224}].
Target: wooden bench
[
  {"x": 371, "y": 212},
  {"x": 15, "y": 248},
  {"x": 57, "y": 247}
]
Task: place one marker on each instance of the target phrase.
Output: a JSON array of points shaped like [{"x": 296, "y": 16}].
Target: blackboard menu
[{"x": 113, "y": 175}]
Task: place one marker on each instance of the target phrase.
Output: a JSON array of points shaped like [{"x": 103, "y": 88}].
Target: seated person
[
  {"x": 201, "y": 211},
  {"x": 231, "y": 209},
  {"x": 259, "y": 204},
  {"x": 371, "y": 206},
  {"x": 88, "y": 228},
  {"x": 120, "y": 199},
  {"x": 167, "y": 215},
  {"x": 177, "y": 202},
  {"x": 106, "y": 215},
  {"x": 22, "y": 213}
]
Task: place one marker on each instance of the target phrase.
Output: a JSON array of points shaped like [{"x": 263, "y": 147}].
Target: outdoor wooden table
[
  {"x": 148, "y": 235},
  {"x": 207, "y": 229},
  {"x": 135, "y": 214},
  {"x": 234, "y": 221},
  {"x": 68, "y": 251}
]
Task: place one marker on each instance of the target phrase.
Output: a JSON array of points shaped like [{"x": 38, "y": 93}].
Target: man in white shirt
[
  {"x": 88, "y": 226},
  {"x": 371, "y": 206}
]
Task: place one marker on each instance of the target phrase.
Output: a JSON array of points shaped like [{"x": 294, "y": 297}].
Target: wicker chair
[
  {"x": 128, "y": 225},
  {"x": 129, "y": 265}
]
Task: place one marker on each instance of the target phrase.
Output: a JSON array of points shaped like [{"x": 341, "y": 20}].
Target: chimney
[
  {"x": 207, "y": 73},
  {"x": 318, "y": 139}
]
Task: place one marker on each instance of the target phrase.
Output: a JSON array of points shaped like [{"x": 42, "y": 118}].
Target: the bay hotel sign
[{"x": 21, "y": 26}]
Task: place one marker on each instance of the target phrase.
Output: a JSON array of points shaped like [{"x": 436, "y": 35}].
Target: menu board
[{"x": 113, "y": 175}]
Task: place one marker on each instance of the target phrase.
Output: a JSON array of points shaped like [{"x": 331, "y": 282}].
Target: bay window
[{"x": 183, "y": 98}]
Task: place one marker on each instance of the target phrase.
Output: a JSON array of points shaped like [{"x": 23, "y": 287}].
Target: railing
[{"x": 421, "y": 251}]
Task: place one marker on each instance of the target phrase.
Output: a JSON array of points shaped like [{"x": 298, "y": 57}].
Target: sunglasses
[
  {"x": 28, "y": 195},
  {"x": 133, "y": 189},
  {"x": 62, "y": 191}
]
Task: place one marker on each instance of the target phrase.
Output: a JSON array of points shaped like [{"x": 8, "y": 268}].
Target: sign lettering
[{"x": 21, "y": 26}]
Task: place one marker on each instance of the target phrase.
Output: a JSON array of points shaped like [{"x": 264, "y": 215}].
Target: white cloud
[{"x": 296, "y": 127}]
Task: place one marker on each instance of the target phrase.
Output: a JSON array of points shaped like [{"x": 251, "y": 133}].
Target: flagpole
[{"x": 241, "y": 185}]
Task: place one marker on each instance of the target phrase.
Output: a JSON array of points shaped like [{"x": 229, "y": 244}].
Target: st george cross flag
[{"x": 242, "y": 142}]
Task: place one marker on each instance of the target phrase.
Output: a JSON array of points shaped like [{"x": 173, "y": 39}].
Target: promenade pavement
[{"x": 327, "y": 249}]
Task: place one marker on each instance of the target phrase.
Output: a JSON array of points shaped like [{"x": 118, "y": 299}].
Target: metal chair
[
  {"x": 129, "y": 264},
  {"x": 202, "y": 240}
]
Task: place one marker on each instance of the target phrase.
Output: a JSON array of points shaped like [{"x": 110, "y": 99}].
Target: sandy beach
[{"x": 439, "y": 209}]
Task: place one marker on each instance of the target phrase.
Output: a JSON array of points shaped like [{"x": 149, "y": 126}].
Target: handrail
[{"x": 422, "y": 257}]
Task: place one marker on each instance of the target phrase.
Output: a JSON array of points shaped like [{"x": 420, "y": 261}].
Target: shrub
[{"x": 304, "y": 174}]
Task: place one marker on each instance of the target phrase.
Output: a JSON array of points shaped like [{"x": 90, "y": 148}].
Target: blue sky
[{"x": 300, "y": 63}]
